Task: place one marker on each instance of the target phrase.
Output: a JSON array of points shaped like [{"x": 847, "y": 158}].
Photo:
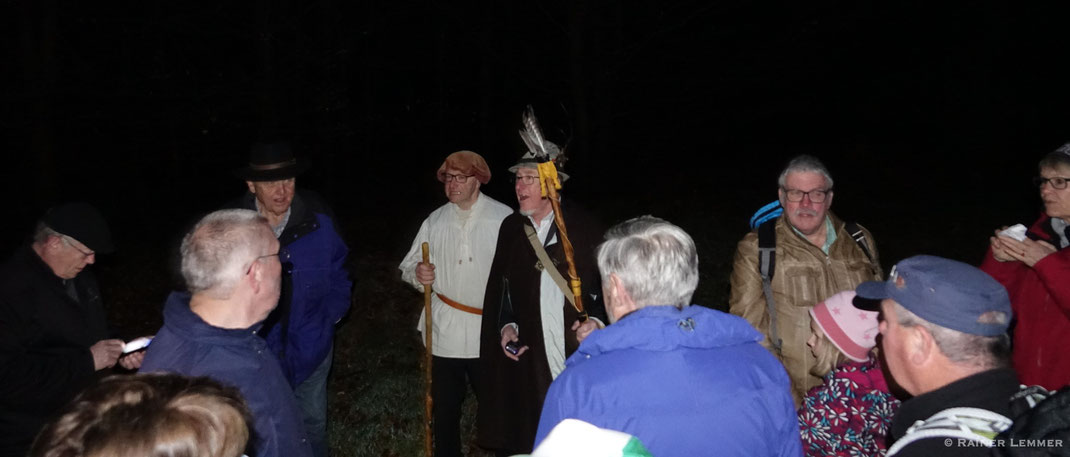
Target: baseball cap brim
[{"x": 870, "y": 294}]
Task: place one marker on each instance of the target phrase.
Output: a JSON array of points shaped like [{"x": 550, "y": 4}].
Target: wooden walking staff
[
  {"x": 549, "y": 183},
  {"x": 427, "y": 359}
]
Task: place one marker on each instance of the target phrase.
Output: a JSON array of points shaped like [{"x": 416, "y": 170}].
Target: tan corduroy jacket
[{"x": 803, "y": 277}]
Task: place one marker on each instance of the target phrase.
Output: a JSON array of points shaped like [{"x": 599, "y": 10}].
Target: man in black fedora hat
[
  {"x": 316, "y": 287},
  {"x": 54, "y": 337}
]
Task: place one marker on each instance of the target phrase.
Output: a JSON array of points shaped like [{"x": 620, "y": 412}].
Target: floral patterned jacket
[{"x": 849, "y": 414}]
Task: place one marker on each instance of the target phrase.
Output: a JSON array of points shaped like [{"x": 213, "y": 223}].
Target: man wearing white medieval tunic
[{"x": 461, "y": 235}]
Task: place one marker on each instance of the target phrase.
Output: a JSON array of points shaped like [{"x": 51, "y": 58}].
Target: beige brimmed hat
[{"x": 528, "y": 160}]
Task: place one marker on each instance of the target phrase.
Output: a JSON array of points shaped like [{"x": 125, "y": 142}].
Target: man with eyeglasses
[
  {"x": 461, "y": 235},
  {"x": 529, "y": 327},
  {"x": 232, "y": 266},
  {"x": 315, "y": 285},
  {"x": 1034, "y": 269},
  {"x": 815, "y": 257},
  {"x": 54, "y": 337}
]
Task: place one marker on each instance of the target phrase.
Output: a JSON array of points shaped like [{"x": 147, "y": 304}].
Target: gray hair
[
  {"x": 805, "y": 164},
  {"x": 656, "y": 261},
  {"x": 1055, "y": 158},
  {"x": 43, "y": 232},
  {"x": 981, "y": 352},
  {"x": 219, "y": 248}
]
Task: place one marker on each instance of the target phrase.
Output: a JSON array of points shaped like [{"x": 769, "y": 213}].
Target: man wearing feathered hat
[
  {"x": 461, "y": 236},
  {"x": 531, "y": 326},
  {"x": 316, "y": 286},
  {"x": 54, "y": 338}
]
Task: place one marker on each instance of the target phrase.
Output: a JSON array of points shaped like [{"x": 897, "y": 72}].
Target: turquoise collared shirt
[{"x": 830, "y": 236}]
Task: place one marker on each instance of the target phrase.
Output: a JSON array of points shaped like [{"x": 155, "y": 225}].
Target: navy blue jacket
[
  {"x": 685, "y": 382},
  {"x": 315, "y": 289},
  {"x": 187, "y": 345}
]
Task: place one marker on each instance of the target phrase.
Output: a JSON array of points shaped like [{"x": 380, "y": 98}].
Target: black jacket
[
  {"x": 512, "y": 392},
  {"x": 991, "y": 390},
  {"x": 45, "y": 337}
]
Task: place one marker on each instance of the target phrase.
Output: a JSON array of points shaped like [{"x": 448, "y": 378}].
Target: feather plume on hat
[{"x": 540, "y": 149}]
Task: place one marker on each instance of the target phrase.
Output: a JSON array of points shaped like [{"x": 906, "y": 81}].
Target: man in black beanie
[{"x": 53, "y": 333}]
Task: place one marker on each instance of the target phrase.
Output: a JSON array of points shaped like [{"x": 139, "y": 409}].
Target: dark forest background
[{"x": 930, "y": 116}]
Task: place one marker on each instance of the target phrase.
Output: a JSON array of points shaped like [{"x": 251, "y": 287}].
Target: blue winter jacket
[
  {"x": 187, "y": 345},
  {"x": 686, "y": 382},
  {"x": 315, "y": 289}
]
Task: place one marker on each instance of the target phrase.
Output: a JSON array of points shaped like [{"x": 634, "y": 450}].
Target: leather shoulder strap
[{"x": 548, "y": 265}]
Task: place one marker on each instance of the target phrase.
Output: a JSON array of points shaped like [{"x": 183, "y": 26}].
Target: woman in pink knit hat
[{"x": 851, "y": 411}]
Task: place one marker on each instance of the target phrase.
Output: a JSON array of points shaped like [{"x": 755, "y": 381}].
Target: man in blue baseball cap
[{"x": 944, "y": 336}]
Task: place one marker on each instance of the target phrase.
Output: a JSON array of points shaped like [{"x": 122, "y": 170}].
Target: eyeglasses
[
  {"x": 284, "y": 255},
  {"x": 526, "y": 180},
  {"x": 816, "y": 195},
  {"x": 284, "y": 258},
  {"x": 460, "y": 178},
  {"x": 1056, "y": 182},
  {"x": 69, "y": 241}
]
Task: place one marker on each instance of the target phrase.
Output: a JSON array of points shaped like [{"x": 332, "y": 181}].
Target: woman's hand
[
  {"x": 1000, "y": 251},
  {"x": 1027, "y": 251}
]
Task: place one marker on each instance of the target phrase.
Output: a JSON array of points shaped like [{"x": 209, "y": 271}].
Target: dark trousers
[{"x": 449, "y": 384}]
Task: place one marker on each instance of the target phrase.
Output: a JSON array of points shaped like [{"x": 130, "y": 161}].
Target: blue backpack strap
[{"x": 765, "y": 213}]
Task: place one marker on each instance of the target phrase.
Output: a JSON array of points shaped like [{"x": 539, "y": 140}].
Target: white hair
[
  {"x": 805, "y": 164},
  {"x": 657, "y": 262},
  {"x": 219, "y": 248}
]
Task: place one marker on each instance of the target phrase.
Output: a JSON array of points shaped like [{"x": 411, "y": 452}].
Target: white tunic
[
  {"x": 552, "y": 302},
  {"x": 461, "y": 246}
]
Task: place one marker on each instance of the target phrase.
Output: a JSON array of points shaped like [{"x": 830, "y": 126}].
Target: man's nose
[{"x": 91, "y": 258}]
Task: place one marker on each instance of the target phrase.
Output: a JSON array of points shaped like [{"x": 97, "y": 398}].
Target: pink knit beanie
[{"x": 851, "y": 330}]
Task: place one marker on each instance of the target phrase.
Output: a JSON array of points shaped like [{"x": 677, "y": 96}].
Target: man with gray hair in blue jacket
[
  {"x": 686, "y": 380},
  {"x": 232, "y": 265}
]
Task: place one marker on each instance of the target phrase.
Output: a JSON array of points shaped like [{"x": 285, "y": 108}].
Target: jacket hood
[
  {"x": 178, "y": 318},
  {"x": 665, "y": 328}
]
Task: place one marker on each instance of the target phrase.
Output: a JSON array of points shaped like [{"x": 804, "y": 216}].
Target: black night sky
[{"x": 930, "y": 116}]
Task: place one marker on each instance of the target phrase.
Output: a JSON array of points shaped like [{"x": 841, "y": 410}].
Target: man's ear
[
  {"x": 921, "y": 345},
  {"x": 622, "y": 300},
  {"x": 252, "y": 189},
  {"x": 255, "y": 276}
]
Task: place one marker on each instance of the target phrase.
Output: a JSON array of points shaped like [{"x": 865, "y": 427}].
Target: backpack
[
  {"x": 765, "y": 221},
  {"x": 1041, "y": 426}
]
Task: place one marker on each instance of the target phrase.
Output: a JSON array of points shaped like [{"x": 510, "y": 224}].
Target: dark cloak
[{"x": 511, "y": 393}]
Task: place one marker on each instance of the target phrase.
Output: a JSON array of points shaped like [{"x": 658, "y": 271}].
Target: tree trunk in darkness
[
  {"x": 265, "y": 17},
  {"x": 578, "y": 58},
  {"x": 38, "y": 34}
]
